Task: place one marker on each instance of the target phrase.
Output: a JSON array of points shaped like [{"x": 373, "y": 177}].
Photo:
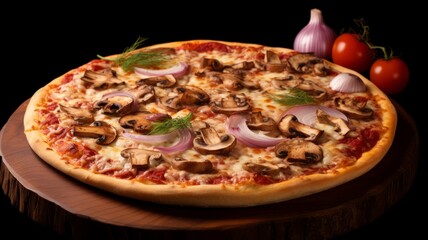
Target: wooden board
[{"x": 77, "y": 210}]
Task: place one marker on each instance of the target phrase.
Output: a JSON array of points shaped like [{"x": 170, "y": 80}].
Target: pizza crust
[{"x": 219, "y": 195}]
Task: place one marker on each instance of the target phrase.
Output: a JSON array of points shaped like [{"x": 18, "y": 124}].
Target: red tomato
[
  {"x": 390, "y": 75},
  {"x": 348, "y": 51}
]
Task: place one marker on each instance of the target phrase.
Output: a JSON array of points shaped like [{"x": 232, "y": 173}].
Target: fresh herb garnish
[
  {"x": 294, "y": 96},
  {"x": 148, "y": 58},
  {"x": 171, "y": 125}
]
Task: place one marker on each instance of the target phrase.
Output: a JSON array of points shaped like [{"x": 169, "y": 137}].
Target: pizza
[{"x": 210, "y": 123}]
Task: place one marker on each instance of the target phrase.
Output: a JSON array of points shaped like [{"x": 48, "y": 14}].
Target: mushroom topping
[
  {"x": 212, "y": 64},
  {"x": 102, "y": 79},
  {"x": 204, "y": 166},
  {"x": 246, "y": 65},
  {"x": 230, "y": 104},
  {"x": 185, "y": 96},
  {"x": 299, "y": 151},
  {"x": 116, "y": 105},
  {"x": 102, "y": 131},
  {"x": 142, "y": 158},
  {"x": 311, "y": 88},
  {"x": 197, "y": 125},
  {"x": 141, "y": 121},
  {"x": 339, "y": 124},
  {"x": 256, "y": 121},
  {"x": 144, "y": 93},
  {"x": 266, "y": 169},
  {"x": 353, "y": 108},
  {"x": 273, "y": 62},
  {"x": 191, "y": 95},
  {"x": 209, "y": 142},
  {"x": 165, "y": 81},
  {"x": 308, "y": 63},
  {"x": 172, "y": 100},
  {"x": 231, "y": 81},
  {"x": 80, "y": 115},
  {"x": 292, "y": 128}
]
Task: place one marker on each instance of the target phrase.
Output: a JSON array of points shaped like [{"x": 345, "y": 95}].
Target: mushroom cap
[
  {"x": 102, "y": 131},
  {"x": 231, "y": 104},
  {"x": 81, "y": 115},
  {"x": 204, "y": 166},
  {"x": 102, "y": 79},
  {"x": 353, "y": 108},
  {"x": 164, "y": 81},
  {"x": 209, "y": 142},
  {"x": 299, "y": 151},
  {"x": 292, "y": 128},
  {"x": 142, "y": 158},
  {"x": 141, "y": 121}
]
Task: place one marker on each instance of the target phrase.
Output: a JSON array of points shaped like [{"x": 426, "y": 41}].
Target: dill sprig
[
  {"x": 171, "y": 125},
  {"x": 128, "y": 60},
  {"x": 294, "y": 96}
]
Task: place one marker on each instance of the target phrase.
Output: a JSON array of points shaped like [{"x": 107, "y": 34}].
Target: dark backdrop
[{"x": 41, "y": 42}]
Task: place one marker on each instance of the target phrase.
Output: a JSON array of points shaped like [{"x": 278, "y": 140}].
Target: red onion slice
[
  {"x": 237, "y": 126},
  {"x": 307, "y": 114},
  {"x": 184, "y": 142},
  {"x": 347, "y": 82},
  {"x": 177, "y": 71}
]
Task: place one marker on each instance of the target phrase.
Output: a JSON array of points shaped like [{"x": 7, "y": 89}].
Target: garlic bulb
[{"x": 315, "y": 37}]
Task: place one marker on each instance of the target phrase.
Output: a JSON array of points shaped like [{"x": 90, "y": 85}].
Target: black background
[{"x": 41, "y": 42}]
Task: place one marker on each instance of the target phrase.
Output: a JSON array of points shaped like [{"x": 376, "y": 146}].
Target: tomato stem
[
  {"x": 365, "y": 34},
  {"x": 385, "y": 54}
]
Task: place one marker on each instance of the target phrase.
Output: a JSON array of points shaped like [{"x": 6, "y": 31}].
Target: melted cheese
[{"x": 77, "y": 94}]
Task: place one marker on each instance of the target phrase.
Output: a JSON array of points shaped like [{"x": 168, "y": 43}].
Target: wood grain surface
[{"x": 79, "y": 211}]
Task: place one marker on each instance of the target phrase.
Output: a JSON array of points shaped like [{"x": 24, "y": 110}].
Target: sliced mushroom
[
  {"x": 144, "y": 93},
  {"x": 80, "y": 115},
  {"x": 266, "y": 169},
  {"x": 299, "y": 151},
  {"x": 102, "y": 79},
  {"x": 117, "y": 105},
  {"x": 308, "y": 63},
  {"x": 245, "y": 65},
  {"x": 231, "y": 81},
  {"x": 142, "y": 158},
  {"x": 273, "y": 62},
  {"x": 292, "y": 128},
  {"x": 339, "y": 124},
  {"x": 310, "y": 87},
  {"x": 212, "y": 64},
  {"x": 256, "y": 121},
  {"x": 203, "y": 166},
  {"x": 231, "y": 103},
  {"x": 165, "y": 81},
  {"x": 102, "y": 131},
  {"x": 197, "y": 125},
  {"x": 209, "y": 142},
  {"x": 172, "y": 100},
  {"x": 191, "y": 95},
  {"x": 353, "y": 108},
  {"x": 141, "y": 121}
]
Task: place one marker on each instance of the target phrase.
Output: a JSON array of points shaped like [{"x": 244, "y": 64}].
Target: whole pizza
[{"x": 211, "y": 123}]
